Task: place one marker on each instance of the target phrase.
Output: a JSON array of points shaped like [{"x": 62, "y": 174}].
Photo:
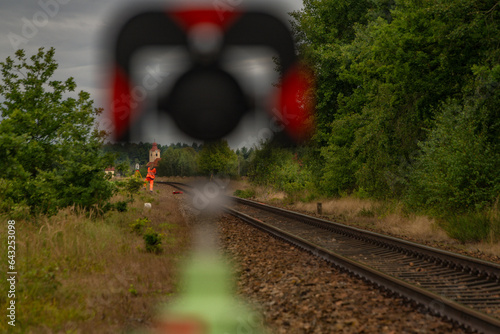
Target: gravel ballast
[{"x": 299, "y": 293}]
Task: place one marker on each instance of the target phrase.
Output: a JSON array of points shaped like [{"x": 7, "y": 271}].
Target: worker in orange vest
[{"x": 150, "y": 177}]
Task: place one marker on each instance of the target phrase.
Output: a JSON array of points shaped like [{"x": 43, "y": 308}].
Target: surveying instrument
[{"x": 137, "y": 172}]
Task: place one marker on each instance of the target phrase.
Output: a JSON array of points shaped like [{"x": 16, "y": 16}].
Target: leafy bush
[
  {"x": 281, "y": 168},
  {"x": 459, "y": 169},
  {"x": 309, "y": 197},
  {"x": 292, "y": 177},
  {"x": 178, "y": 161},
  {"x": 133, "y": 290},
  {"x": 247, "y": 193},
  {"x": 121, "y": 206},
  {"x": 50, "y": 146},
  {"x": 216, "y": 157},
  {"x": 152, "y": 240},
  {"x": 139, "y": 225},
  {"x": 132, "y": 186}
]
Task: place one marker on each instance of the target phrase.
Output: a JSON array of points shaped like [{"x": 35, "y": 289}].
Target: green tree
[
  {"x": 459, "y": 169},
  {"x": 384, "y": 67},
  {"x": 50, "y": 146},
  {"x": 124, "y": 167},
  {"x": 187, "y": 161},
  {"x": 320, "y": 29},
  {"x": 245, "y": 157},
  {"x": 282, "y": 167},
  {"x": 177, "y": 161},
  {"x": 169, "y": 162},
  {"x": 217, "y": 157}
]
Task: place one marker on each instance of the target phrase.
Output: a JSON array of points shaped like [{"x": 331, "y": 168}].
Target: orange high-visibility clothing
[{"x": 151, "y": 174}]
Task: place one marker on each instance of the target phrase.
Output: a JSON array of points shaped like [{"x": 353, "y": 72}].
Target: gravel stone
[{"x": 299, "y": 293}]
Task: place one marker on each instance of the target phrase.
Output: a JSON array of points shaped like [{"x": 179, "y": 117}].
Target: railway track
[{"x": 460, "y": 288}]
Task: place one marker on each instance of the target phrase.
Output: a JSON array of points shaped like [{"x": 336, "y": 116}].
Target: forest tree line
[
  {"x": 407, "y": 104},
  {"x": 181, "y": 159}
]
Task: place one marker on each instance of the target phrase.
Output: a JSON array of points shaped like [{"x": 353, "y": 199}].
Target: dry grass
[
  {"x": 264, "y": 194},
  {"x": 348, "y": 207},
  {"x": 360, "y": 212},
  {"x": 390, "y": 219},
  {"x": 81, "y": 275},
  {"x": 380, "y": 216},
  {"x": 414, "y": 226}
]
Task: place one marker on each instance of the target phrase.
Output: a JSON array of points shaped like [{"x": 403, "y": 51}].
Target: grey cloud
[{"x": 75, "y": 28}]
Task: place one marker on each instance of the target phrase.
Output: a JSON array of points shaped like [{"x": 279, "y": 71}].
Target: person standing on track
[{"x": 150, "y": 177}]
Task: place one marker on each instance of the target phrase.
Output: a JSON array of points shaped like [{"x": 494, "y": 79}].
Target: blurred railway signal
[{"x": 207, "y": 102}]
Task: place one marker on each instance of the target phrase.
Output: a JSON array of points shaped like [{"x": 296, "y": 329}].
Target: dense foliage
[
  {"x": 50, "y": 148},
  {"x": 277, "y": 166},
  {"x": 178, "y": 161},
  {"x": 216, "y": 157},
  {"x": 458, "y": 169},
  {"x": 408, "y": 100}
]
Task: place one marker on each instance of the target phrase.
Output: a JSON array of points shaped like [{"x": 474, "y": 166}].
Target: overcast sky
[{"x": 75, "y": 29}]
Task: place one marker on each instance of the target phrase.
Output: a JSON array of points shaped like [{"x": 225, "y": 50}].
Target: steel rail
[
  {"x": 439, "y": 304},
  {"x": 435, "y": 303},
  {"x": 452, "y": 260}
]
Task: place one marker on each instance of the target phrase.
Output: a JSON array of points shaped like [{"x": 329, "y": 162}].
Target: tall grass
[
  {"x": 476, "y": 226},
  {"x": 75, "y": 272}
]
